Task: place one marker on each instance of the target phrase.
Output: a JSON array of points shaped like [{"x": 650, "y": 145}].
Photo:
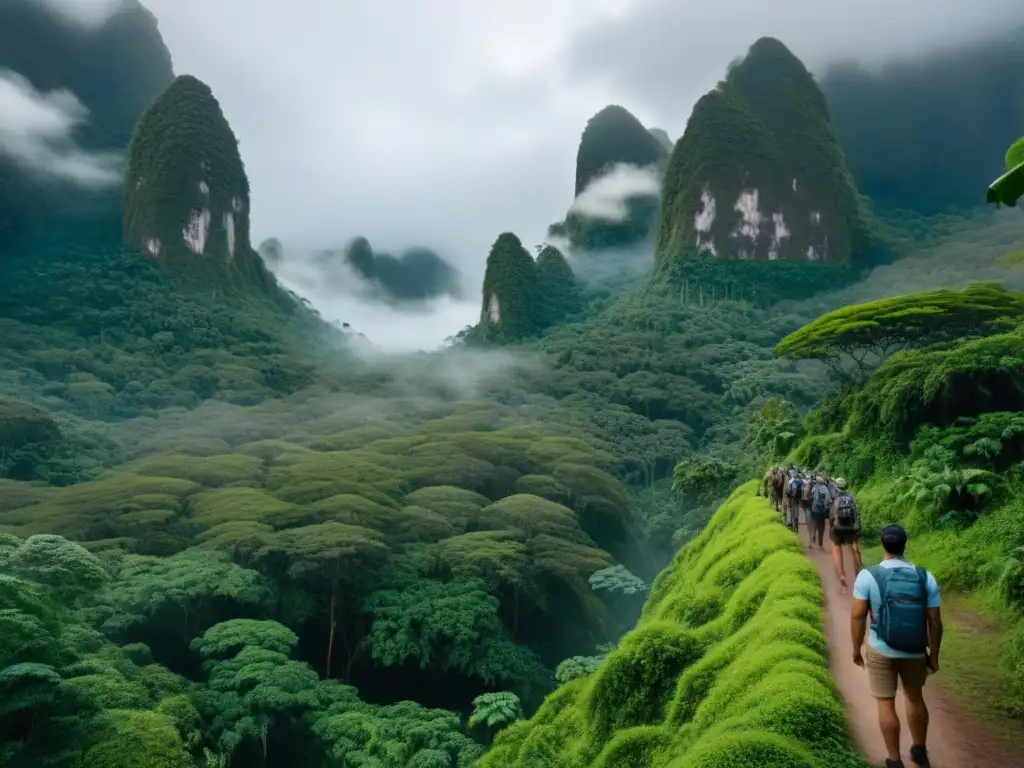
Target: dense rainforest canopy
[{"x": 228, "y": 540}]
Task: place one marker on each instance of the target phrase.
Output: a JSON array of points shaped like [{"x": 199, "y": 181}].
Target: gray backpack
[
  {"x": 902, "y": 621},
  {"x": 846, "y": 513}
]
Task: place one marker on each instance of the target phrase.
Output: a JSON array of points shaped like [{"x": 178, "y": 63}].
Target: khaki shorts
[{"x": 883, "y": 672}]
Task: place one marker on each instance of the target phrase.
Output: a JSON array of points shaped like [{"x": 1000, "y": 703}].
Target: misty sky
[{"x": 446, "y": 122}]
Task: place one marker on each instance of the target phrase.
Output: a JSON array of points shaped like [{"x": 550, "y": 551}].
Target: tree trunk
[{"x": 330, "y": 636}]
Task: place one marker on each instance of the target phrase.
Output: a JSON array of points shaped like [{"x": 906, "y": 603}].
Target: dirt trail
[{"x": 955, "y": 740}]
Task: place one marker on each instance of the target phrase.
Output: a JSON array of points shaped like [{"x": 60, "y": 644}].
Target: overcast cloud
[
  {"x": 36, "y": 133},
  {"x": 446, "y": 123}
]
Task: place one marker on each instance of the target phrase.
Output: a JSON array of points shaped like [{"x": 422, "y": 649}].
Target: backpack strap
[{"x": 881, "y": 575}]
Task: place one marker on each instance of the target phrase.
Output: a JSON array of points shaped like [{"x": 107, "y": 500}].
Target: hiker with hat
[{"x": 903, "y": 644}]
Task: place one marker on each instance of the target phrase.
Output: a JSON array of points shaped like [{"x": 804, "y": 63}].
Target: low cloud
[
  {"x": 37, "y": 133},
  {"x": 87, "y": 13},
  {"x": 605, "y": 198},
  {"x": 389, "y": 328}
]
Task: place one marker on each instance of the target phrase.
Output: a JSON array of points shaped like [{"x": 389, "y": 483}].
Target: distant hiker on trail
[
  {"x": 778, "y": 487},
  {"x": 817, "y": 513},
  {"x": 906, "y": 633},
  {"x": 796, "y": 495},
  {"x": 845, "y": 530}
]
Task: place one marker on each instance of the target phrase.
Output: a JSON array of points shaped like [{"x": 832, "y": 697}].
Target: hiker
[
  {"x": 766, "y": 483},
  {"x": 778, "y": 487},
  {"x": 805, "y": 500},
  {"x": 906, "y": 632},
  {"x": 844, "y": 530},
  {"x": 817, "y": 513},
  {"x": 796, "y": 492}
]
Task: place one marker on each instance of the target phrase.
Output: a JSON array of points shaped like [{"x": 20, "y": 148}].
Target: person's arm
[
  {"x": 860, "y": 607},
  {"x": 934, "y": 623}
]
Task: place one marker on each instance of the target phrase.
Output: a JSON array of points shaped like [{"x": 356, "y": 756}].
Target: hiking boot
[
  {"x": 894, "y": 763},
  {"x": 920, "y": 757}
]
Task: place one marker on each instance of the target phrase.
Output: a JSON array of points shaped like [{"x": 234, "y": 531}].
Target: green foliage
[
  {"x": 496, "y": 710},
  {"x": 762, "y": 139},
  {"x": 850, "y": 339},
  {"x": 1009, "y": 187},
  {"x": 558, "y": 292},
  {"x": 729, "y": 663}
]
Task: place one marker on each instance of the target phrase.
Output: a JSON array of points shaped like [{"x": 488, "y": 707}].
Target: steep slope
[
  {"x": 186, "y": 193},
  {"x": 114, "y": 71},
  {"x": 923, "y": 134},
  {"x": 614, "y": 145},
  {"x": 727, "y": 667},
  {"x": 758, "y": 174}
]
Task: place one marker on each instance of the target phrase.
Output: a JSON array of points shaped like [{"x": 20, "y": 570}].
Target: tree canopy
[{"x": 864, "y": 334}]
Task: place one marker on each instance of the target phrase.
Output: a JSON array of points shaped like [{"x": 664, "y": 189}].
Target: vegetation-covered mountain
[
  {"x": 225, "y": 541},
  {"x": 114, "y": 71},
  {"x": 186, "y": 193},
  {"x": 614, "y": 136},
  {"x": 611, "y": 140},
  {"x": 925, "y": 133},
  {"x": 759, "y": 174}
]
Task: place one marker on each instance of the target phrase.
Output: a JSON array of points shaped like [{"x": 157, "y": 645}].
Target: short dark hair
[{"x": 894, "y": 539}]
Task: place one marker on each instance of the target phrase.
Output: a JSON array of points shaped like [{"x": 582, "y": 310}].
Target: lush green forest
[{"x": 226, "y": 539}]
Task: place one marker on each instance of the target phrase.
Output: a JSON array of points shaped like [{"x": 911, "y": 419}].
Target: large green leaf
[{"x": 1008, "y": 188}]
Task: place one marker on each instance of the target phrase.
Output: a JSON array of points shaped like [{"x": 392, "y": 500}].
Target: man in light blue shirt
[{"x": 917, "y": 625}]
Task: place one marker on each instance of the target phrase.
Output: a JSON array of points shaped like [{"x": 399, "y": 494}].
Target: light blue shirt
[{"x": 866, "y": 588}]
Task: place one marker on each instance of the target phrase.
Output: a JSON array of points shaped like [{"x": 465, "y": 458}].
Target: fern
[{"x": 496, "y": 710}]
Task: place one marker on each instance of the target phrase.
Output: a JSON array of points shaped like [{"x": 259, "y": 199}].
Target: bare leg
[
  {"x": 917, "y": 718},
  {"x": 837, "y": 560},
  {"x": 889, "y": 722},
  {"x": 858, "y": 563}
]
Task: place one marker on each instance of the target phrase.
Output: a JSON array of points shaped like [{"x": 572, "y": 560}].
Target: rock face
[
  {"x": 113, "y": 70},
  {"x": 759, "y": 174},
  {"x": 613, "y": 148},
  {"x": 186, "y": 194},
  {"x": 510, "y": 293}
]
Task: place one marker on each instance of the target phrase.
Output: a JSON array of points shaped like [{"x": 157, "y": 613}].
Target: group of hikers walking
[
  {"x": 901, "y": 600},
  {"x": 819, "y": 500}
]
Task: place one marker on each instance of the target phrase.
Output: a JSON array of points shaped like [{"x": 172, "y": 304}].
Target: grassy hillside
[{"x": 727, "y": 667}]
